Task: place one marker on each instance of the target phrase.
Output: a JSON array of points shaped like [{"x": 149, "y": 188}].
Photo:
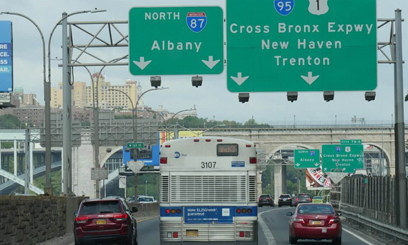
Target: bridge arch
[{"x": 108, "y": 155}]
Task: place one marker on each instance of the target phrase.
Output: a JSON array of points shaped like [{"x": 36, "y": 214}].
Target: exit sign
[{"x": 133, "y": 145}]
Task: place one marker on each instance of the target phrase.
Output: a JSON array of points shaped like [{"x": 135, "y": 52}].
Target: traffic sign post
[
  {"x": 351, "y": 142},
  {"x": 288, "y": 45},
  {"x": 307, "y": 158},
  {"x": 176, "y": 40},
  {"x": 135, "y": 145},
  {"x": 342, "y": 158}
]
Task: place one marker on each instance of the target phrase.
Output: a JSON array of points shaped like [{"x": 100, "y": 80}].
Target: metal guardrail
[{"x": 391, "y": 231}]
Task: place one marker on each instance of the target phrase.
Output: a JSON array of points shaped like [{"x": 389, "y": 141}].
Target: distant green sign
[
  {"x": 176, "y": 40},
  {"x": 342, "y": 158},
  {"x": 133, "y": 145},
  {"x": 350, "y": 142},
  {"x": 307, "y": 158},
  {"x": 293, "y": 45}
]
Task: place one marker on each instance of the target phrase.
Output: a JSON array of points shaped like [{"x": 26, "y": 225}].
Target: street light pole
[
  {"x": 134, "y": 121},
  {"x": 47, "y": 186}
]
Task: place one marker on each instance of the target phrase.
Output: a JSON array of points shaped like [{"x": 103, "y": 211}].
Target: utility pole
[
  {"x": 401, "y": 179},
  {"x": 67, "y": 144}
]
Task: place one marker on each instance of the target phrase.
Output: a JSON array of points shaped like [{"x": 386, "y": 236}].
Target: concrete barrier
[{"x": 33, "y": 219}]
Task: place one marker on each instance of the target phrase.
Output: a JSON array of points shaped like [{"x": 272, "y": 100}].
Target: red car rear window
[
  {"x": 100, "y": 207},
  {"x": 315, "y": 209}
]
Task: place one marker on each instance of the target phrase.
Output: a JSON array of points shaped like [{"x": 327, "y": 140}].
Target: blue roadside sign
[{"x": 6, "y": 57}]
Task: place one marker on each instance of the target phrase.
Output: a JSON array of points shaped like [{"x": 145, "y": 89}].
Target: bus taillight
[
  {"x": 252, "y": 160},
  {"x": 238, "y": 211},
  {"x": 167, "y": 211},
  {"x": 249, "y": 146},
  {"x": 163, "y": 160},
  {"x": 219, "y": 140},
  {"x": 167, "y": 146},
  {"x": 207, "y": 140},
  {"x": 196, "y": 140}
]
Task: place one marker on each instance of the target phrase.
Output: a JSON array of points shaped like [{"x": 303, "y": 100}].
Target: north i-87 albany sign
[{"x": 301, "y": 45}]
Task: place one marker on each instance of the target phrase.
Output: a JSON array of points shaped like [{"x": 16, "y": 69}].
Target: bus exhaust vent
[
  {"x": 252, "y": 189},
  {"x": 164, "y": 188},
  {"x": 208, "y": 189}
]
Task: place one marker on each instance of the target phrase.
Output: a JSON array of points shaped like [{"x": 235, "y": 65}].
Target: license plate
[
  {"x": 101, "y": 222},
  {"x": 192, "y": 233},
  {"x": 284, "y": 199},
  {"x": 316, "y": 222},
  {"x": 324, "y": 230}
]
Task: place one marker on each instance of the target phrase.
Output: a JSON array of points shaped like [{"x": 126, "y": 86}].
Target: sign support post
[{"x": 401, "y": 195}]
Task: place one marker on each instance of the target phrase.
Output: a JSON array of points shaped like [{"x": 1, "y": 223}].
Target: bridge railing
[{"x": 371, "y": 197}]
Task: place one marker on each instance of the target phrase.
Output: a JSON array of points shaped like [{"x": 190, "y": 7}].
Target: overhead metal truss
[
  {"x": 104, "y": 34},
  {"x": 383, "y": 46}
]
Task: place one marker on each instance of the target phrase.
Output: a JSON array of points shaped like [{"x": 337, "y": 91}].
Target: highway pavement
[{"x": 272, "y": 230}]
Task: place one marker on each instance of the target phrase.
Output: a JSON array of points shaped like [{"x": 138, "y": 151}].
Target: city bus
[{"x": 208, "y": 191}]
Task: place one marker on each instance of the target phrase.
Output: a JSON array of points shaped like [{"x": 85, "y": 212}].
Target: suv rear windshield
[
  {"x": 145, "y": 199},
  {"x": 104, "y": 207},
  {"x": 285, "y": 196},
  {"x": 304, "y": 196},
  {"x": 264, "y": 196}
]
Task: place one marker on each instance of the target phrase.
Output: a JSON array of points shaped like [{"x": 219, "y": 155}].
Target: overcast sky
[{"x": 212, "y": 100}]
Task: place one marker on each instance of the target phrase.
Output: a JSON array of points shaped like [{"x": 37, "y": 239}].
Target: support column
[
  {"x": 15, "y": 157},
  {"x": 67, "y": 116},
  {"x": 278, "y": 181},
  {"x": 31, "y": 163},
  {"x": 27, "y": 161}
]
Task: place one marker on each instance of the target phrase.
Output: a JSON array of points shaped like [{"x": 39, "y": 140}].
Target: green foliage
[
  {"x": 55, "y": 182},
  {"x": 9, "y": 121}
]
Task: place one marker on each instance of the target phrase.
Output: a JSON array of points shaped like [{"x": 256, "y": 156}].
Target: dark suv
[
  {"x": 303, "y": 198},
  {"x": 106, "y": 220},
  {"x": 265, "y": 199},
  {"x": 285, "y": 199}
]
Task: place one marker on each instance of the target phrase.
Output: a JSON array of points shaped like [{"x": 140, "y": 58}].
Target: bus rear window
[{"x": 227, "y": 150}]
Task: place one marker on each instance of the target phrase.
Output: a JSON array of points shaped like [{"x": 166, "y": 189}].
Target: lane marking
[
  {"x": 268, "y": 234},
  {"x": 141, "y": 220},
  {"x": 357, "y": 236}
]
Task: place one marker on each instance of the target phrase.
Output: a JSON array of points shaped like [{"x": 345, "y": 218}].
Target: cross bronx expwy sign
[
  {"x": 342, "y": 158},
  {"x": 307, "y": 158},
  {"x": 176, "y": 41},
  {"x": 301, "y": 45}
]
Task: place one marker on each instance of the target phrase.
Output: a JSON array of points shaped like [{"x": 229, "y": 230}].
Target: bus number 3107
[{"x": 208, "y": 164}]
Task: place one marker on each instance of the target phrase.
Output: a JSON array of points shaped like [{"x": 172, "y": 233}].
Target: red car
[
  {"x": 107, "y": 220},
  {"x": 314, "y": 221}
]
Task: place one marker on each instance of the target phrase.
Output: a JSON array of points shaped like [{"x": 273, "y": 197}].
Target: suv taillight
[
  {"x": 81, "y": 219},
  {"x": 120, "y": 217},
  {"x": 310, "y": 199}
]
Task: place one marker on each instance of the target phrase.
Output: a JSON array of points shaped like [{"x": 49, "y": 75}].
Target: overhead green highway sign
[
  {"x": 350, "y": 142},
  {"x": 176, "y": 40},
  {"x": 135, "y": 145},
  {"x": 342, "y": 158},
  {"x": 307, "y": 158},
  {"x": 301, "y": 45}
]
